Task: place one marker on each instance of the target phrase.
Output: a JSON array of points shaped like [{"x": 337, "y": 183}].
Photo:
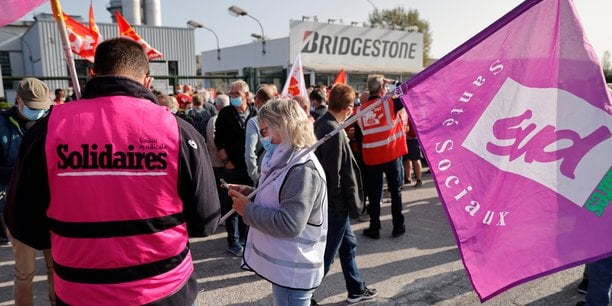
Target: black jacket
[
  {"x": 344, "y": 187},
  {"x": 230, "y": 134}
]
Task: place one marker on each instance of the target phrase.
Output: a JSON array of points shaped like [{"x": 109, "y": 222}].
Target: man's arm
[
  {"x": 197, "y": 187},
  {"x": 221, "y": 130},
  {"x": 28, "y": 193},
  {"x": 329, "y": 155},
  {"x": 250, "y": 149}
]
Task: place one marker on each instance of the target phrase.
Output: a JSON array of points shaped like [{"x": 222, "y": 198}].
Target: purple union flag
[{"x": 516, "y": 126}]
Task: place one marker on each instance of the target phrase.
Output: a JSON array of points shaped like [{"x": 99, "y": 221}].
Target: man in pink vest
[{"x": 115, "y": 184}]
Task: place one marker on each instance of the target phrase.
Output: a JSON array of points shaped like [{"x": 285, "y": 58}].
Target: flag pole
[
  {"x": 61, "y": 26},
  {"x": 327, "y": 136}
]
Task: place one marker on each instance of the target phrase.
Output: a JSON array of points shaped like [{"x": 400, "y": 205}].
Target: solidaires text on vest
[{"x": 88, "y": 157}]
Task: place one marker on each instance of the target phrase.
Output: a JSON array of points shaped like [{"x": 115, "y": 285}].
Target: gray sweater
[{"x": 303, "y": 187}]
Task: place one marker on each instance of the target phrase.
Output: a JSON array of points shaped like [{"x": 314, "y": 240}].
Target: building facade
[
  {"x": 325, "y": 49},
  {"x": 34, "y": 48}
]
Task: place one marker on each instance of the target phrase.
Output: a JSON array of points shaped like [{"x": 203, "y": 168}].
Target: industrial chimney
[
  {"x": 152, "y": 12},
  {"x": 137, "y": 12}
]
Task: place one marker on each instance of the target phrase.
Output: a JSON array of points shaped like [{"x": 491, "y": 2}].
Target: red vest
[
  {"x": 118, "y": 234},
  {"x": 383, "y": 135}
]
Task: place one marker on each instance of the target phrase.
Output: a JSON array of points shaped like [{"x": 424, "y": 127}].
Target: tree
[
  {"x": 402, "y": 19},
  {"x": 605, "y": 63}
]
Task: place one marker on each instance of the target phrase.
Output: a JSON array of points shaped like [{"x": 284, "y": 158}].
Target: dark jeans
[
  {"x": 393, "y": 170},
  {"x": 600, "y": 282},
  {"x": 235, "y": 227},
  {"x": 341, "y": 240},
  {"x": 2, "y": 225}
]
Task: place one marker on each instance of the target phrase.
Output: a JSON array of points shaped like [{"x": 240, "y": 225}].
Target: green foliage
[
  {"x": 399, "y": 18},
  {"x": 605, "y": 64}
]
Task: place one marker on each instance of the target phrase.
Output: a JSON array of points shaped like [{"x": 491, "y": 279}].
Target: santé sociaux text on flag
[{"x": 516, "y": 125}]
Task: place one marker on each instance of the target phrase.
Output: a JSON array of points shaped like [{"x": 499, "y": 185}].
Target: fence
[{"x": 166, "y": 84}]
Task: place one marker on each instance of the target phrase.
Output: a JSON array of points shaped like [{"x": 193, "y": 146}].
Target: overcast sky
[{"x": 452, "y": 22}]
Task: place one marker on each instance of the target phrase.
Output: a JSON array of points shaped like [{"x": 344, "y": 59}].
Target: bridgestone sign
[{"x": 330, "y": 47}]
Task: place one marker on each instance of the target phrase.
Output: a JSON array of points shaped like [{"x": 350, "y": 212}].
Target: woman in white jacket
[{"x": 288, "y": 219}]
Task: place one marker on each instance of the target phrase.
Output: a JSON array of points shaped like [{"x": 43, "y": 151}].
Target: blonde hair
[{"x": 289, "y": 119}]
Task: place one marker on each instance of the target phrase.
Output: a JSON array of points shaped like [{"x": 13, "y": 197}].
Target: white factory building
[
  {"x": 33, "y": 48},
  {"x": 324, "y": 49}
]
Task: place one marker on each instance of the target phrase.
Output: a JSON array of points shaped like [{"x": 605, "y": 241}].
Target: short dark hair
[
  {"x": 120, "y": 56},
  {"x": 341, "y": 97},
  {"x": 318, "y": 95},
  {"x": 58, "y": 90}
]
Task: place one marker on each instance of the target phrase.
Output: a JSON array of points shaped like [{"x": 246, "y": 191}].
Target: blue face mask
[
  {"x": 267, "y": 144},
  {"x": 33, "y": 114},
  {"x": 236, "y": 101}
]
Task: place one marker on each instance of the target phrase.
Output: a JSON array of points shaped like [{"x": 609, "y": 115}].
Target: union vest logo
[
  {"x": 548, "y": 135},
  {"x": 94, "y": 157}
]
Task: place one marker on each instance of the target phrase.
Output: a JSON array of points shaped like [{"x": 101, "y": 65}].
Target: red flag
[
  {"x": 340, "y": 78},
  {"x": 15, "y": 9},
  {"x": 83, "y": 41},
  {"x": 125, "y": 30},
  {"x": 92, "y": 22}
]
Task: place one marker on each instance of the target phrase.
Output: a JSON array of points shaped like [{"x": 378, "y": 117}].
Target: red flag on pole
[
  {"x": 126, "y": 30},
  {"x": 340, "y": 78},
  {"x": 83, "y": 40},
  {"x": 92, "y": 22}
]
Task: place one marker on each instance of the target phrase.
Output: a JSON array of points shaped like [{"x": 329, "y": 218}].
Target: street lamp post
[
  {"x": 195, "y": 24},
  {"x": 236, "y": 12}
]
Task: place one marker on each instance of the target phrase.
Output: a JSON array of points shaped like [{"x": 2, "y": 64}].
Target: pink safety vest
[{"x": 118, "y": 234}]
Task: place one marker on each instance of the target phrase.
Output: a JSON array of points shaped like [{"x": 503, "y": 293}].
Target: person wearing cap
[
  {"x": 33, "y": 101},
  {"x": 116, "y": 184}
]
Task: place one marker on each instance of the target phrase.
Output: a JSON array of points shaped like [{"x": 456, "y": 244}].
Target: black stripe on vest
[
  {"x": 112, "y": 229},
  {"x": 119, "y": 275}
]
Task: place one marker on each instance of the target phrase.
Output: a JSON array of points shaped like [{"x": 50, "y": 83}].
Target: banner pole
[
  {"x": 61, "y": 26},
  {"x": 327, "y": 136}
]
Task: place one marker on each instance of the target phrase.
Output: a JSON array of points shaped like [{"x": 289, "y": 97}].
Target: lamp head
[
  {"x": 194, "y": 24},
  {"x": 236, "y": 11}
]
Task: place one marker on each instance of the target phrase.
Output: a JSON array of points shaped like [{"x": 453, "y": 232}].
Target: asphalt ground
[{"x": 422, "y": 267}]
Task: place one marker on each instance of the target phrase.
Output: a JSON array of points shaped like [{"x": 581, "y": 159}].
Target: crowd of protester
[{"x": 215, "y": 149}]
